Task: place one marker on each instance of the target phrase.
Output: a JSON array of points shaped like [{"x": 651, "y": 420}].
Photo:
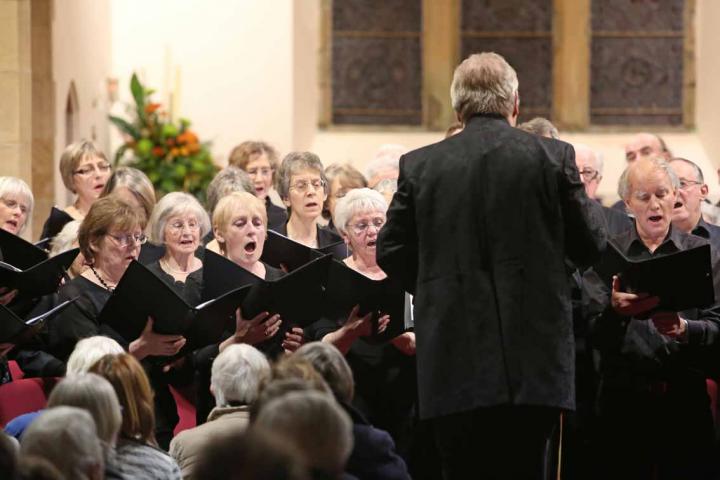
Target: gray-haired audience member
[
  {"x": 540, "y": 126},
  {"x": 236, "y": 376},
  {"x": 317, "y": 427},
  {"x": 88, "y": 351},
  {"x": 16, "y": 204},
  {"x": 67, "y": 437}
]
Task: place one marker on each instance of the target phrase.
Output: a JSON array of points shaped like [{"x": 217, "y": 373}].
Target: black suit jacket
[{"x": 479, "y": 230}]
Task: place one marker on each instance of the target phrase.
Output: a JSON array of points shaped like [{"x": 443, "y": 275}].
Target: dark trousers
[{"x": 496, "y": 442}]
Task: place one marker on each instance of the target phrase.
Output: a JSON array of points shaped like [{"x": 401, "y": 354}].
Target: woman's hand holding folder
[
  {"x": 253, "y": 331},
  {"x": 151, "y": 343}
]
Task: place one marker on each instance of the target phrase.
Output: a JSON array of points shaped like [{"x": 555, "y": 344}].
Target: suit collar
[{"x": 483, "y": 118}]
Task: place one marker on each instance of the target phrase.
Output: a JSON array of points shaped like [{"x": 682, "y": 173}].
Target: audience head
[
  {"x": 260, "y": 161},
  {"x": 16, "y": 204},
  {"x": 648, "y": 186},
  {"x": 67, "y": 438},
  {"x": 237, "y": 374},
  {"x": 484, "y": 83},
  {"x": 341, "y": 179},
  {"x": 292, "y": 377},
  {"x": 240, "y": 227},
  {"x": 540, "y": 126},
  {"x": 590, "y": 167},
  {"x": 8, "y": 456},
  {"x": 645, "y": 145},
  {"x": 359, "y": 216},
  {"x": 132, "y": 186},
  {"x": 249, "y": 454},
  {"x": 89, "y": 350},
  {"x": 302, "y": 184},
  {"x": 66, "y": 240},
  {"x": 228, "y": 180},
  {"x": 93, "y": 393},
  {"x": 690, "y": 195},
  {"x": 179, "y": 222},
  {"x": 333, "y": 367},
  {"x": 317, "y": 426},
  {"x": 33, "y": 467},
  {"x": 132, "y": 387},
  {"x": 111, "y": 232},
  {"x": 453, "y": 129},
  {"x": 84, "y": 170}
]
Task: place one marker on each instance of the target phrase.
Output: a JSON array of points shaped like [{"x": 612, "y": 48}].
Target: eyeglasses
[
  {"x": 88, "y": 170},
  {"x": 263, "y": 172},
  {"x": 360, "y": 228},
  {"x": 589, "y": 174},
  {"x": 178, "y": 226},
  {"x": 302, "y": 185},
  {"x": 685, "y": 184},
  {"x": 125, "y": 241},
  {"x": 13, "y": 204}
]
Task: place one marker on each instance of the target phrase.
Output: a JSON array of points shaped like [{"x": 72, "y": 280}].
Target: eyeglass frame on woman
[
  {"x": 302, "y": 185},
  {"x": 585, "y": 172},
  {"x": 90, "y": 168},
  {"x": 360, "y": 228},
  {"x": 263, "y": 172},
  {"x": 123, "y": 241}
]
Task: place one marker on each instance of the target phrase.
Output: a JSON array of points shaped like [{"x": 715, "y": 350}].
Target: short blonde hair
[
  {"x": 73, "y": 155},
  {"x": 105, "y": 214},
  {"x": 135, "y": 181},
  {"x": 176, "y": 203},
  {"x": 229, "y": 205},
  {"x": 251, "y": 150},
  {"x": 15, "y": 186}
]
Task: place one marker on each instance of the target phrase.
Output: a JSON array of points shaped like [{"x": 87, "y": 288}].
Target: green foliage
[{"x": 169, "y": 153}]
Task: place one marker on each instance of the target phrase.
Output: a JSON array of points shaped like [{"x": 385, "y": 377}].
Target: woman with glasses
[
  {"x": 260, "y": 161},
  {"x": 304, "y": 188},
  {"x": 384, "y": 374},
  {"x": 341, "y": 179},
  {"x": 84, "y": 170}
]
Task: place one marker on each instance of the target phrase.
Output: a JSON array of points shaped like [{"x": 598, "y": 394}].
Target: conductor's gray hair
[
  {"x": 624, "y": 187},
  {"x": 237, "y": 374},
  {"x": 67, "y": 438},
  {"x": 483, "y": 83}
]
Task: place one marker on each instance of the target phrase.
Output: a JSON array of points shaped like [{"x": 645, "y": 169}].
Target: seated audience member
[
  {"x": 383, "y": 171},
  {"x": 228, "y": 180},
  {"x": 384, "y": 374},
  {"x": 374, "y": 453},
  {"x": 304, "y": 188},
  {"x": 84, "y": 170},
  {"x": 137, "y": 450},
  {"x": 8, "y": 456},
  {"x": 133, "y": 187},
  {"x": 687, "y": 215},
  {"x": 454, "y": 129},
  {"x": 87, "y": 351},
  {"x": 590, "y": 168},
  {"x": 301, "y": 416},
  {"x": 32, "y": 467},
  {"x": 652, "y": 362},
  {"x": 260, "y": 161},
  {"x": 67, "y": 438},
  {"x": 236, "y": 376},
  {"x": 540, "y": 126},
  {"x": 66, "y": 240},
  {"x": 341, "y": 178},
  {"x": 94, "y": 394},
  {"x": 256, "y": 454}
]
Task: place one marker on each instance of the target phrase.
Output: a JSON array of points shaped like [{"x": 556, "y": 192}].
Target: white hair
[
  {"x": 315, "y": 423},
  {"x": 67, "y": 438},
  {"x": 172, "y": 204},
  {"x": 483, "y": 83},
  {"x": 88, "y": 351},
  {"x": 386, "y": 158},
  {"x": 17, "y": 187},
  {"x": 64, "y": 240},
  {"x": 355, "y": 201},
  {"x": 660, "y": 163},
  {"x": 237, "y": 373}
]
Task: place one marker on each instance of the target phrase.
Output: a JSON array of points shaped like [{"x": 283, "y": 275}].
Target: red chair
[
  {"x": 185, "y": 400},
  {"x": 712, "y": 390},
  {"x": 23, "y": 396}
]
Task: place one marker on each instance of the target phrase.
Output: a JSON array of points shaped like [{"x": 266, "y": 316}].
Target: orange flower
[
  {"x": 158, "y": 151},
  {"x": 170, "y": 142},
  {"x": 187, "y": 137},
  {"x": 151, "y": 107}
]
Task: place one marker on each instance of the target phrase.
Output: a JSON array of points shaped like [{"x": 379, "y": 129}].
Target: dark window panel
[
  {"x": 637, "y": 15},
  {"x": 506, "y": 15},
  {"x": 377, "y": 15}
]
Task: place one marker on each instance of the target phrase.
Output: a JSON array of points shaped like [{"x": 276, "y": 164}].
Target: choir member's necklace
[{"x": 102, "y": 282}]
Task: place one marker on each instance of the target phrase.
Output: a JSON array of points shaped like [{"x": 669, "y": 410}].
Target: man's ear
[
  {"x": 704, "y": 190},
  {"x": 516, "y": 110}
]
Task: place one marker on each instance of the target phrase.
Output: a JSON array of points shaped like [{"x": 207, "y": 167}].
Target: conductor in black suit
[{"x": 479, "y": 230}]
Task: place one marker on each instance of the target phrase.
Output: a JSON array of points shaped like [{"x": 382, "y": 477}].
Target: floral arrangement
[{"x": 169, "y": 153}]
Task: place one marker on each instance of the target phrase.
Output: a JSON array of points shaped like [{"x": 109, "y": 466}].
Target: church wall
[{"x": 708, "y": 80}]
